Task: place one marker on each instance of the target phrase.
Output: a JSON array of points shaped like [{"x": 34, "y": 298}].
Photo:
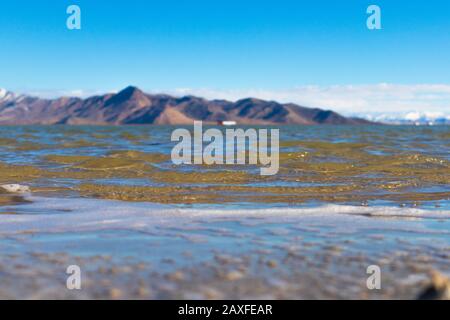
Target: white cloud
[
  {"x": 51, "y": 94},
  {"x": 348, "y": 99}
]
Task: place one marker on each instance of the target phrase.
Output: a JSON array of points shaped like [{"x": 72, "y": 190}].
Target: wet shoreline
[{"x": 148, "y": 251}]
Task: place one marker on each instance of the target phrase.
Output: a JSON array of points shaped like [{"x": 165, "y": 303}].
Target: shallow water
[{"x": 110, "y": 200}]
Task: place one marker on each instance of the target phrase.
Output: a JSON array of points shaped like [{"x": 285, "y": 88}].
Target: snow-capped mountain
[
  {"x": 416, "y": 118},
  {"x": 6, "y": 95}
]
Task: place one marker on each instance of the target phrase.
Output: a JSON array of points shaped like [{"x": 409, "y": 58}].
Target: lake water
[{"x": 110, "y": 200}]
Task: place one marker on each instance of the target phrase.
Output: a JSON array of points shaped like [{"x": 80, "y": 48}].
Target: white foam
[{"x": 94, "y": 214}]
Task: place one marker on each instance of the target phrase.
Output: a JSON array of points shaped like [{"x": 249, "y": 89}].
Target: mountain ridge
[{"x": 133, "y": 106}]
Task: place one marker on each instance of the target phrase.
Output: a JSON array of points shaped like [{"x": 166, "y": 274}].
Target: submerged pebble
[{"x": 438, "y": 289}]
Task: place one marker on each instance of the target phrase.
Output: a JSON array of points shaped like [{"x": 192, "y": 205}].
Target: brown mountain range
[{"x": 132, "y": 106}]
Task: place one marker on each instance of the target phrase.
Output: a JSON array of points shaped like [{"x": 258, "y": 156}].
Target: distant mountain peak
[
  {"x": 128, "y": 95},
  {"x": 130, "y": 91}
]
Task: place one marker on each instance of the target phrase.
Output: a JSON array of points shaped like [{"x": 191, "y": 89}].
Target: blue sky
[{"x": 275, "y": 49}]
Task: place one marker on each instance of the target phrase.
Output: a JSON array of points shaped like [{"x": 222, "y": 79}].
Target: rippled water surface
[{"x": 369, "y": 165}]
